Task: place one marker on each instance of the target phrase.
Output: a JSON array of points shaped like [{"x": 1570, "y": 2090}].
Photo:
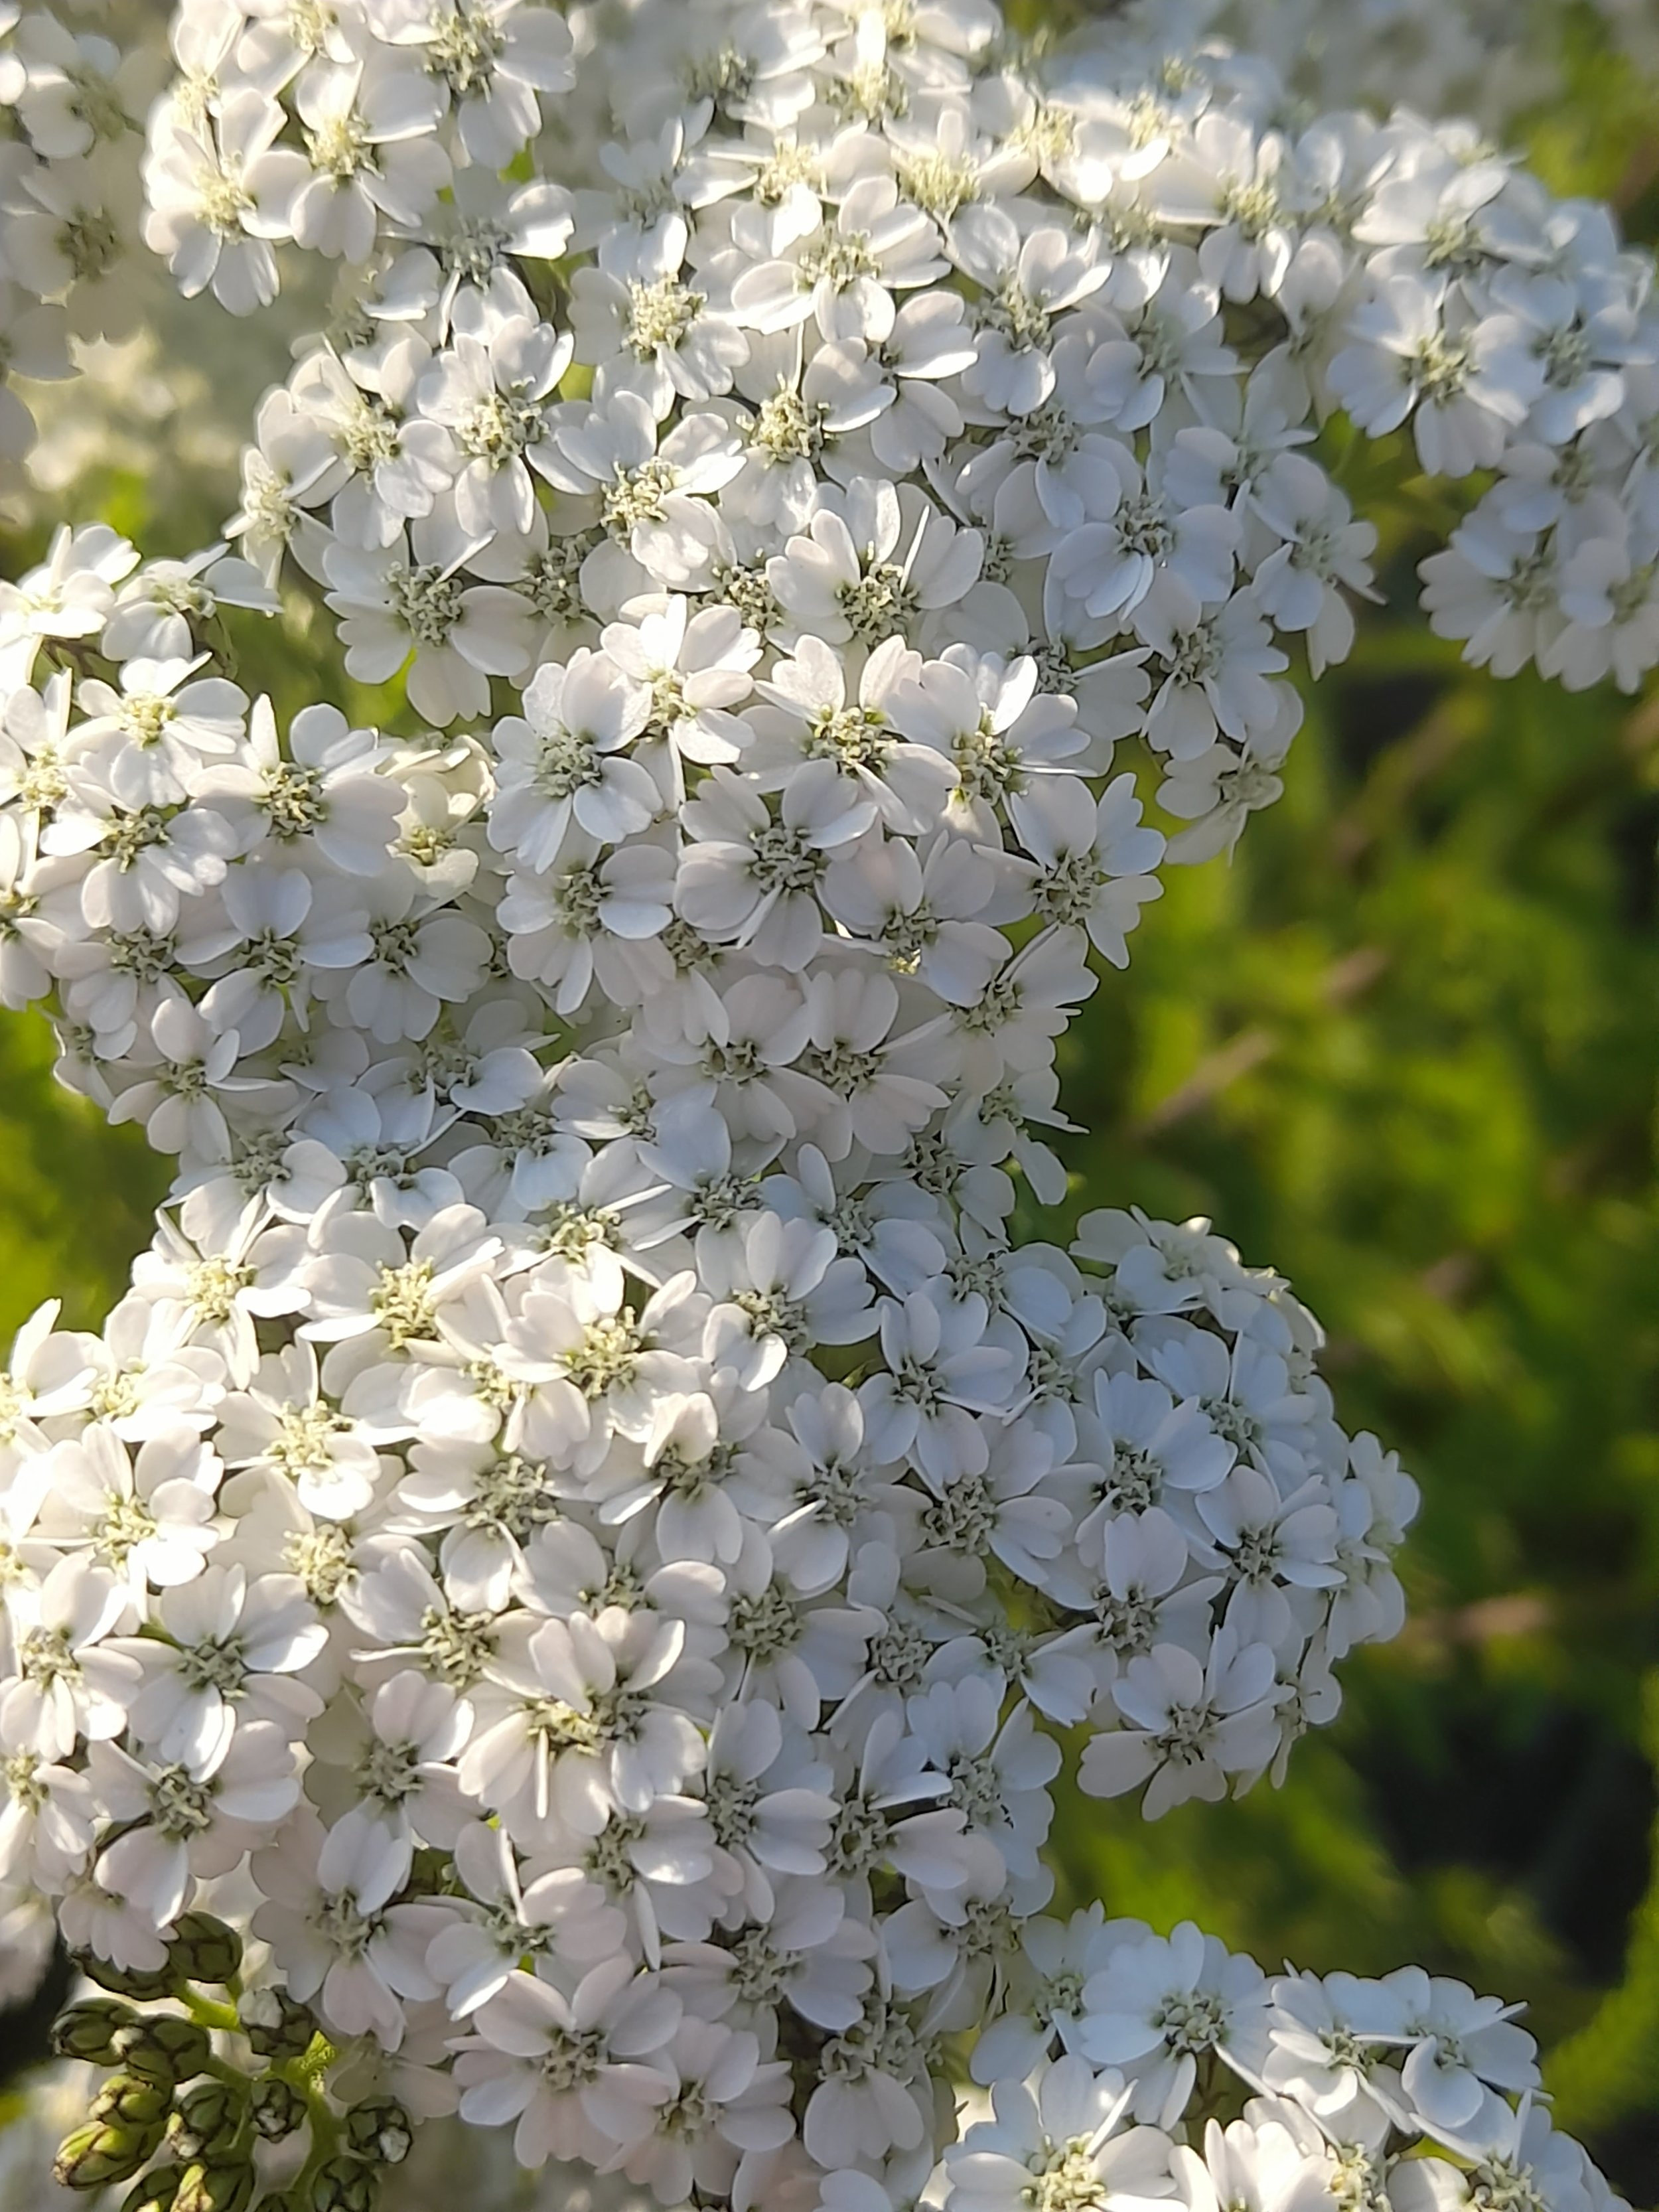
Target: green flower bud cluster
[
  {"x": 169, "y": 2091},
  {"x": 380, "y": 2131},
  {"x": 208, "y": 2120},
  {"x": 277, "y": 2026},
  {"x": 203, "y": 1949},
  {"x": 88, "y": 2030},
  {"x": 100, "y": 2152},
  {"x": 276, "y": 2107},
  {"x": 345, "y": 2184},
  {"x": 373, "y": 2136},
  {"x": 182, "y": 2121}
]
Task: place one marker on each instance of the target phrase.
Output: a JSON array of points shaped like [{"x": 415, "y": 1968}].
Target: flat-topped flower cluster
[
  {"x": 72, "y": 102},
  {"x": 891, "y": 331},
  {"x": 1140, "y": 2070},
  {"x": 596, "y": 1524}
]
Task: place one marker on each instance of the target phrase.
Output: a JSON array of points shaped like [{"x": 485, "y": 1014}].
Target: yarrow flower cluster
[
  {"x": 73, "y": 101},
  {"x": 1491, "y": 60},
  {"x": 1140, "y": 2069},
  {"x": 561, "y": 1589}
]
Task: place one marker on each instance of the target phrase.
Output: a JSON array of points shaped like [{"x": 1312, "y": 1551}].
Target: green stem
[{"x": 325, "y": 2141}]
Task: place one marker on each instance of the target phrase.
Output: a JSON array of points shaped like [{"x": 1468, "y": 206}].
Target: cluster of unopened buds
[{"x": 591, "y": 1533}]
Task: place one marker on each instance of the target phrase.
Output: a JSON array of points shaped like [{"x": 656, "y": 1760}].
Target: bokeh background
[{"x": 1404, "y": 1049}]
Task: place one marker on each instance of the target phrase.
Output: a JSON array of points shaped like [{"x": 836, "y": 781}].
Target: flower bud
[
  {"x": 203, "y": 1949},
  {"x": 102, "y": 2151},
  {"x": 378, "y": 2129},
  {"x": 345, "y": 2184},
  {"x": 276, "y": 2025},
  {"x": 215, "y": 2186},
  {"x": 144, "y": 1983},
  {"x": 87, "y": 2030},
  {"x": 205, "y": 2121},
  {"x": 163, "y": 2048},
  {"x": 276, "y": 2106},
  {"x": 131, "y": 2101},
  {"x": 156, "y": 2192}
]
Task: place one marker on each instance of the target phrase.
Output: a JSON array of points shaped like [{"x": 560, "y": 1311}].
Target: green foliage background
[{"x": 1403, "y": 1048}]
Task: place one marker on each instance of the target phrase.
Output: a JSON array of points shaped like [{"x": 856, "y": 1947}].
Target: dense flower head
[{"x": 601, "y": 1515}]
